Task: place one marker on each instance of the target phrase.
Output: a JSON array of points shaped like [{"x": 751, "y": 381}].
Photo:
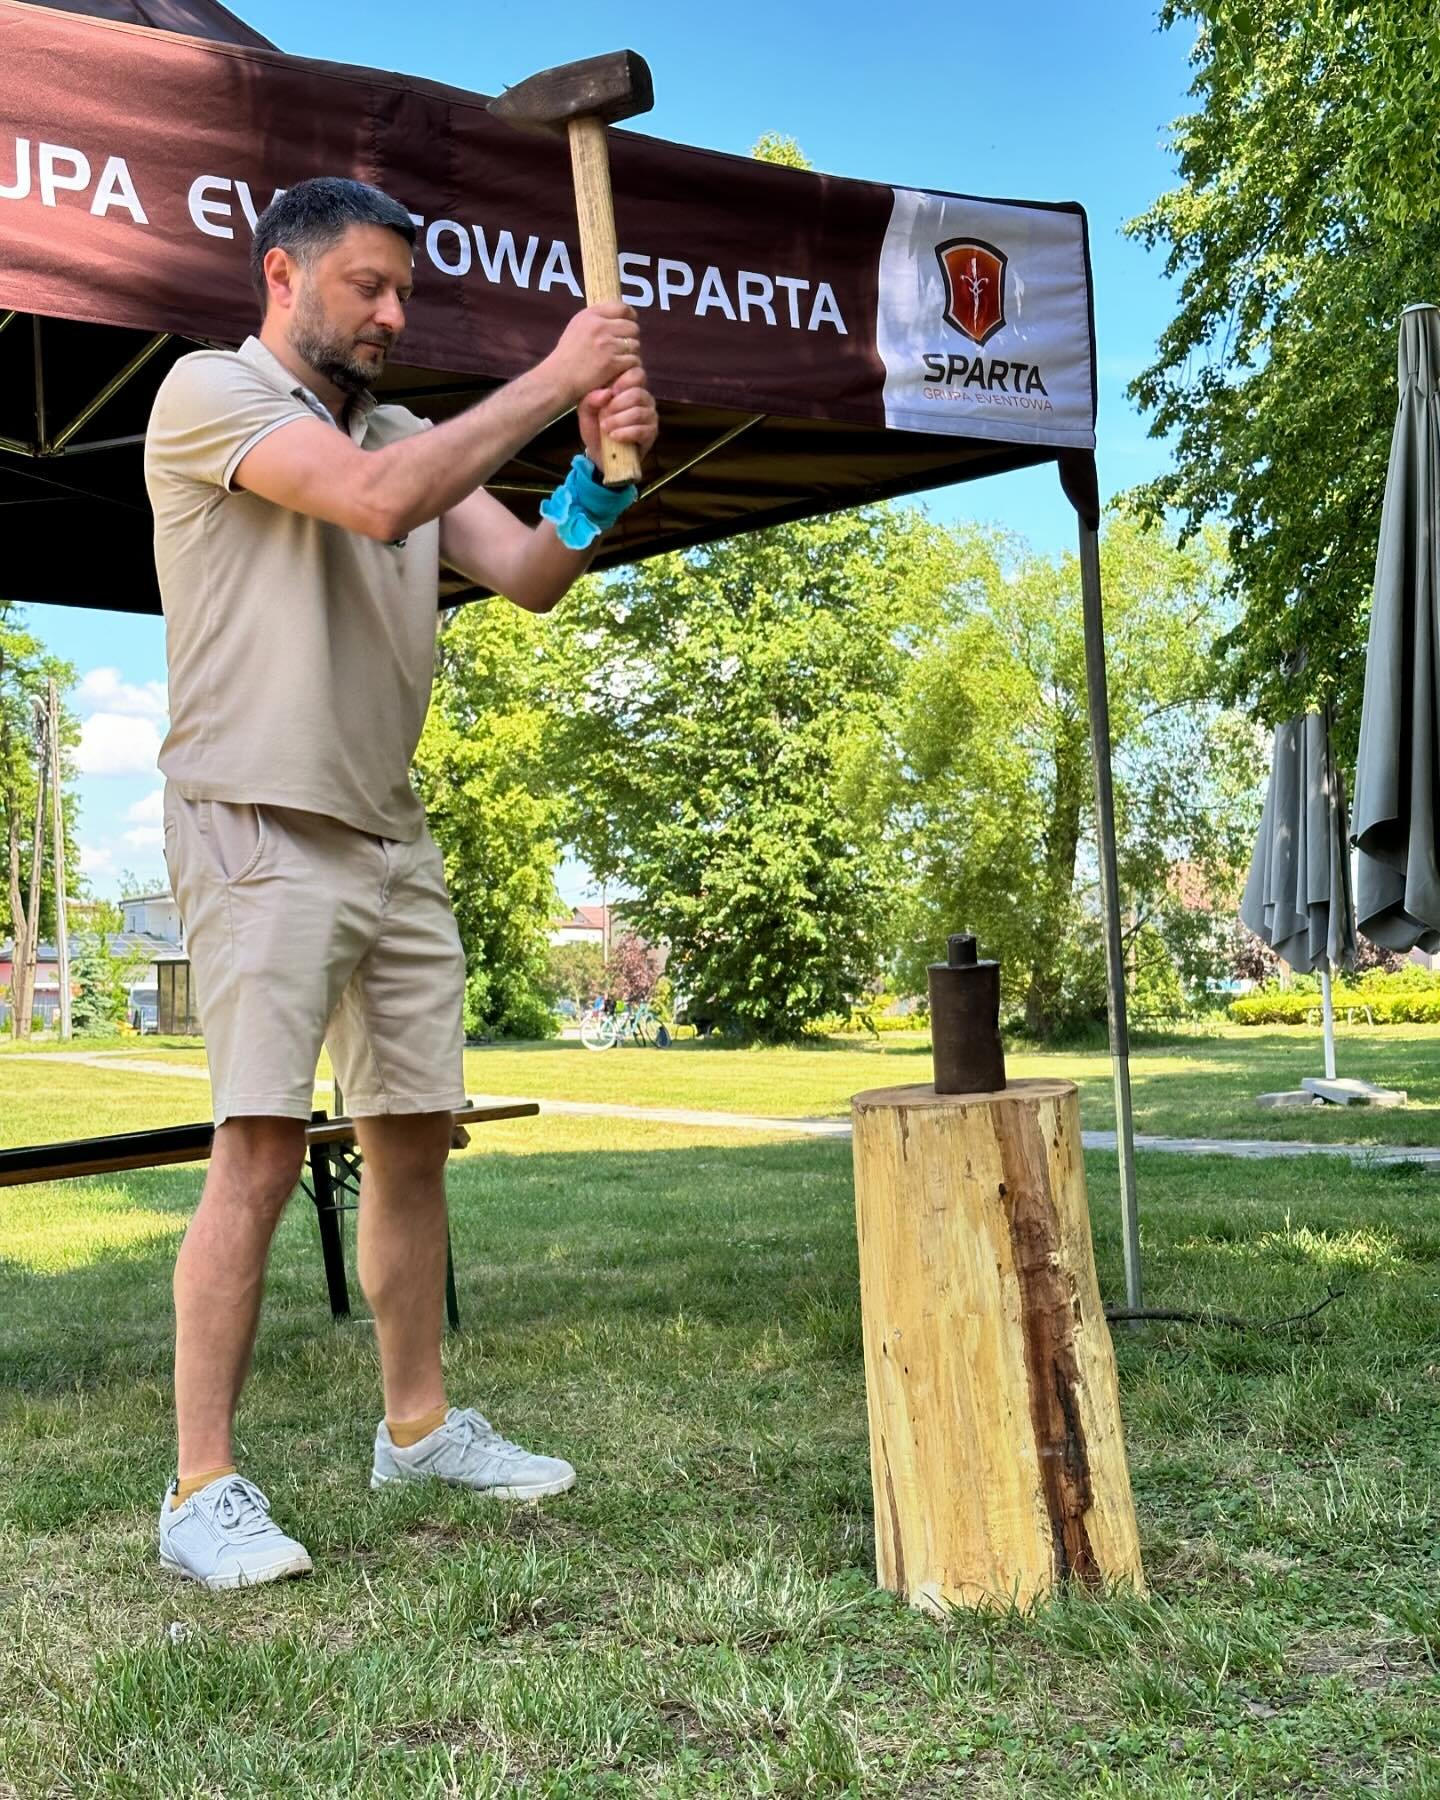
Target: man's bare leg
[
  {"x": 400, "y": 1252},
  {"x": 219, "y": 1277}
]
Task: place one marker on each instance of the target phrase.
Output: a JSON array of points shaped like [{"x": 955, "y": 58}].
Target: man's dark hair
[{"x": 309, "y": 218}]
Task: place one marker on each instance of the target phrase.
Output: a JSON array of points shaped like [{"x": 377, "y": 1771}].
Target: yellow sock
[
  {"x": 405, "y": 1432},
  {"x": 192, "y": 1484}
]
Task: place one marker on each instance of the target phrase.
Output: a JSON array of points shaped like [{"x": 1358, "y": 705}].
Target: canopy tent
[{"x": 813, "y": 342}]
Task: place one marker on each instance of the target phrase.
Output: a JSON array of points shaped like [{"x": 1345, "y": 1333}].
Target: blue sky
[{"x": 1026, "y": 100}]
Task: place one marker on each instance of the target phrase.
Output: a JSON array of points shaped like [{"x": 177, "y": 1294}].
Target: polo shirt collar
[{"x": 357, "y": 413}]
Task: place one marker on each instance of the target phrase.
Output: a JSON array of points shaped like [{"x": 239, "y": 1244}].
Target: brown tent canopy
[{"x": 813, "y": 342}]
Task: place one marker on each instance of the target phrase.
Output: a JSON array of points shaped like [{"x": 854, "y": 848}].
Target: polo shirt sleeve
[{"x": 213, "y": 408}]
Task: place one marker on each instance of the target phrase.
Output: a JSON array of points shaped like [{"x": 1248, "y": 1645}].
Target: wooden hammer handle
[{"x": 590, "y": 159}]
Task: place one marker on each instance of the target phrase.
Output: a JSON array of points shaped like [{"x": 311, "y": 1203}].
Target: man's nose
[{"x": 391, "y": 313}]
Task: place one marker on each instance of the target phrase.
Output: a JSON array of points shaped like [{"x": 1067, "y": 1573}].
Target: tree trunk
[
  {"x": 1062, "y": 843},
  {"x": 997, "y": 1458},
  {"x": 25, "y": 987},
  {"x": 1039, "y": 1005},
  {"x": 20, "y": 937}
]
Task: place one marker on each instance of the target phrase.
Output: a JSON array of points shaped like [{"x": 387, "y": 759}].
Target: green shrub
[
  {"x": 872, "y": 1015},
  {"x": 1408, "y": 996}
]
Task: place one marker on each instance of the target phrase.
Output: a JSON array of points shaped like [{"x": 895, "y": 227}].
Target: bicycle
[{"x": 635, "y": 1024}]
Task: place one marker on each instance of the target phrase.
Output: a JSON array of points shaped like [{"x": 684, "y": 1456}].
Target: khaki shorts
[{"x": 301, "y": 930}]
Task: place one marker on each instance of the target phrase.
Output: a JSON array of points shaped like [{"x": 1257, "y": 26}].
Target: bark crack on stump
[
  {"x": 1051, "y": 1367},
  {"x": 895, "y": 1538}
]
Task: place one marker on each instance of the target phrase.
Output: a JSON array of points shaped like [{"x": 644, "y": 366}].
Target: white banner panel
[{"x": 983, "y": 320}]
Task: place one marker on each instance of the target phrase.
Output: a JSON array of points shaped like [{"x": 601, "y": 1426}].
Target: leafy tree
[
  {"x": 774, "y": 147},
  {"x": 629, "y": 972},
  {"x": 1251, "y": 958},
  {"x": 1304, "y": 221},
  {"x": 482, "y": 769},
  {"x": 27, "y": 886},
  {"x": 720, "y": 713},
  {"x": 992, "y": 787},
  {"x": 576, "y": 972},
  {"x": 100, "y": 977}
]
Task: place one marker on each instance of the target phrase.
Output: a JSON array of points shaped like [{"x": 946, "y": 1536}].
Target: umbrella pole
[
  {"x": 1327, "y": 1003},
  {"x": 1110, "y": 900}
]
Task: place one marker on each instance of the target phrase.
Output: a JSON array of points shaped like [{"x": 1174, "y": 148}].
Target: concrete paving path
[{"x": 1253, "y": 1148}]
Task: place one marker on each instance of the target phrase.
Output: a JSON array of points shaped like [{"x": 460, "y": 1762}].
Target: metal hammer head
[{"x": 611, "y": 87}]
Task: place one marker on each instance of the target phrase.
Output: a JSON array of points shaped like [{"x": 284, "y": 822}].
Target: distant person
[{"x": 299, "y": 532}]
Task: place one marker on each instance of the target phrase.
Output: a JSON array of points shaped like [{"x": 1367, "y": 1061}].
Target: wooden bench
[{"x": 331, "y": 1152}]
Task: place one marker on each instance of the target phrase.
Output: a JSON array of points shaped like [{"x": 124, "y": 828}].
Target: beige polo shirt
[{"x": 300, "y": 655}]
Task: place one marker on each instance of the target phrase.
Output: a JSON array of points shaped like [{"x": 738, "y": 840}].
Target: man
[{"x": 299, "y": 529}]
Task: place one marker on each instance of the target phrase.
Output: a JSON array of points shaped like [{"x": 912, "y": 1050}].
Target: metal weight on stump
[
  {"x": 997, "y": 1460},
  {"x": 965, "y": 1021}
]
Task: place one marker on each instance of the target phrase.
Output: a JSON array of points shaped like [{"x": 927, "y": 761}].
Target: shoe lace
[
  {"x": 239, "y": 1508},
  {"x": 476, "y": 1428}
]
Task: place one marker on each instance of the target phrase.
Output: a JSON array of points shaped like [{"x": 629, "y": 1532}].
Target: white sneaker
[
  {"x": 223, "y": 1537},
  {"x": 467, "y": 1451}
]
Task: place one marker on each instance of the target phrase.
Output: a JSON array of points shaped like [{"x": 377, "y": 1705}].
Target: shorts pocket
[{"x": 237, "y": 834}]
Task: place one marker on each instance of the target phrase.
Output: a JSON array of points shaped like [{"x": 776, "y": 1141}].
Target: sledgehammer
[{"x": 581, "y": 99}]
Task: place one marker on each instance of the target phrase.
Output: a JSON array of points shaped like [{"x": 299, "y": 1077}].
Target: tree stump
[{"x": 996, "y": 1451}]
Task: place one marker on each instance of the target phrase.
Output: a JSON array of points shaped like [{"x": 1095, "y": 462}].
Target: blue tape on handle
[{"x": 582, "y": 507}]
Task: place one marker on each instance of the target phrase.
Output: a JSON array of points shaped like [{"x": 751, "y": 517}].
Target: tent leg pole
[
  {"x": 1327, "y": 1001},
  {"x": 1110, "y": 902}
]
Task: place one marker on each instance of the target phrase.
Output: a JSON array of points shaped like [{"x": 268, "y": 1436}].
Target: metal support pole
[
  {"x": 1327, "y": 1002},
  {"x": 1110, "y": 901},
  {"x": 37, "y": 351}
]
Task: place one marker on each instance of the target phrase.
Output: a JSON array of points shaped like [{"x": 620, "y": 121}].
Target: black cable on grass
[{"x": 1166, "y": 1315}]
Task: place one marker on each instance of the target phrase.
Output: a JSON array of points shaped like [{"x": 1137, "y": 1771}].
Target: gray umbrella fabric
[
  {"x": 1298, "y": 896},
  {"x": 1396, "y": 780}
]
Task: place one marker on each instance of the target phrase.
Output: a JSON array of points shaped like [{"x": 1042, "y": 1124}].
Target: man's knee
[
  {"x": 406, "y": 1149},
  {"x": 259, "y": 1161}
]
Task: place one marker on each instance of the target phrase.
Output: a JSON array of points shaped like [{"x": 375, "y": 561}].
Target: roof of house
[
  {"x": 122, "y": 943},
  {"x": 586, "y": 918}
]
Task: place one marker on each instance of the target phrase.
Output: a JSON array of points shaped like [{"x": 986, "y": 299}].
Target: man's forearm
[
  {"x": 423, "y": 476},
  {"x": 546, "y": 570}
]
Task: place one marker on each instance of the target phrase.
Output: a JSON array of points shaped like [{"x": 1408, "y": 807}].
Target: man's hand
[
  {"x": 597, "y": 347},
  {"x": 623, "y": 411}
]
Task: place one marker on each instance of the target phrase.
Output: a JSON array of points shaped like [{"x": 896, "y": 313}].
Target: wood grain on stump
[{"x": 996, "y": 1451}]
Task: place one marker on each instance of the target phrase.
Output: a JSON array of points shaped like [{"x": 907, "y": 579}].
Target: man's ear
[{"x": 281, "y": 275}]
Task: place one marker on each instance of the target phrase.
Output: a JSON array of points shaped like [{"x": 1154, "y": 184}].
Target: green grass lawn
[
  {"x": 676, "y": 1310},
  {"x": 1187, "y": 1086}
]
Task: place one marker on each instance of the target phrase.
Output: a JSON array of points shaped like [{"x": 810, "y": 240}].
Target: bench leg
[
  {"x": 452, "y": 1302},
  {"x": 327, "y": 1216}
]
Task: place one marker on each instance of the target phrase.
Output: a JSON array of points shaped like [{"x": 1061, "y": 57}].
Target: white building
[
  {"x": 154, "y": 915},
  {"x": 586, "y": 925}
]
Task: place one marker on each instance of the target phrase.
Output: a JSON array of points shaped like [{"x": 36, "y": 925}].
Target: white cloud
[
  {"x": 95, "y": 859},
  {"x": 150, "y": 810},
  {"x": 103, "y": 691},
  {"x": 118, "y": 744},
  {"x": 144, "y": 836}
]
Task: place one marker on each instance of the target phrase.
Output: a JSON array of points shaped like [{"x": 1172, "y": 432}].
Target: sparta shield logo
[{"x": 974, "y": 287}]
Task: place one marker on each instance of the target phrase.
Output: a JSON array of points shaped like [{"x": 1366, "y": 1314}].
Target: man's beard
[{"x": 316, "y": 342}]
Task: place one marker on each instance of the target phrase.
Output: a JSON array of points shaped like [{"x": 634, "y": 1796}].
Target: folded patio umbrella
[
  {"x": 1298, "y": 897},
  {"x": 1397, "y": 774}
]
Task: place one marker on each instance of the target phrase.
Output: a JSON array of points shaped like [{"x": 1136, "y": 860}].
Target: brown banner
[{"x": 133, "y": 163}]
